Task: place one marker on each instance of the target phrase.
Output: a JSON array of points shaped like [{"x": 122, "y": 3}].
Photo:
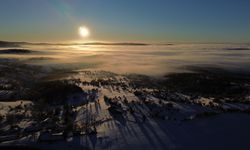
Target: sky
[{"x": 126, "y": 20}]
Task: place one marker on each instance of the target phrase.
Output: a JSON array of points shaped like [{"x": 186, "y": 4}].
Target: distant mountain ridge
[
  {"x": 18, "y": 44},
  {"x": 94, "y": 43},
  {"x": 11, "y": 44}
]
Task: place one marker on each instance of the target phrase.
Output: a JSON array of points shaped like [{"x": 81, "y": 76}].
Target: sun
[{"x": 83, "y": 31}]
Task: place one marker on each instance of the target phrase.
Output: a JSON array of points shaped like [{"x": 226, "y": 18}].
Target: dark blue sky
[{"x": 126, "y": 20}]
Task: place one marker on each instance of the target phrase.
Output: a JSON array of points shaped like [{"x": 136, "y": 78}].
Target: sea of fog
[{"x": 141, "y": 59}]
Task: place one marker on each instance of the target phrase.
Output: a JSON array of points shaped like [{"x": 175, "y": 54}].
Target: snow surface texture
[{"x": 126, "y": 121}]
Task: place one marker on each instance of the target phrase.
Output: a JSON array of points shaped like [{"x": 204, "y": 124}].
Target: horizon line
[{"x": 117, "y": 43}]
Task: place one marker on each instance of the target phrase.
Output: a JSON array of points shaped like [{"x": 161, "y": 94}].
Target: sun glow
[{"x": 83, "y": 31}]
